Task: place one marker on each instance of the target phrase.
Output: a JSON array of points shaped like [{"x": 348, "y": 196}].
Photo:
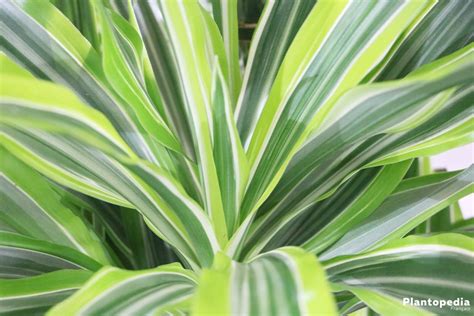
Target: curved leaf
[
  {"x": 184, "y": 23},
  {"x": 286, "y": 281},
  {"x": 36, "y": 33},
  {"x": 37, "y": 103},
  {"x": 144, "y": 292},
  {"x": 21, "y": 256},
  {"x": 336, "y": 152},
  {"x": 276, "y": 29},
  {"x": 438, "y": 267},
  {"x": 326, "y": 221},
  {"x": 445, "y": 29},
  {"x": 351, "y": 38},
  {"x": 31, "y": 207},
  {"x": 35, "y": 295},
  {"x": 402, "y": 212}
]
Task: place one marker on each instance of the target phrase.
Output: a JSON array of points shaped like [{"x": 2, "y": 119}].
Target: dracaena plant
[{"x": 234, "y": 157}]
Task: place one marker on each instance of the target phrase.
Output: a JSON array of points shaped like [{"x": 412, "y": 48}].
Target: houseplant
[{"x": 151, "y": 164}]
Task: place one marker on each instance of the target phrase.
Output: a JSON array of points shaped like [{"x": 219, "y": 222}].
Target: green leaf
[
  {"x": 225, "y": 15},
  {"x": 366, "y": 201},
  {"x": 331, "y": 54},
  {"x": 444, "y": 30},
  {"x": 184, "y": 23},
  {"x": 32, "y": 208},
  {"x": 22, "y": 256},
  {"x": 286, "y": 281},
  {"x": 60, "y": 160},
  {"x": 326, "y": 221},
  {"x": 389, "y": 104},
  {"x": 168, "y": 210},
  {"x": 141, "y": 292},
  {"x": 41, "y": 104},
  {"x": 402, "y": 212},
  {"x": 179, "y": 211},
  {"x": 229, "y": 155},
  {"x": 67, "y": 58},
  {"x": 127, "y": 140},
  {"x": 351, "y": 138},
  {"x": 82, "y": 16},
  {"x": 35, "y": 295},
  {"x": 165, "y": 70},
  {"x": 126, "y": 83},
  {"x": 276, "y": 29},
  {"x": 77, "y": 166},
  {"x": 414, "y": 267}
]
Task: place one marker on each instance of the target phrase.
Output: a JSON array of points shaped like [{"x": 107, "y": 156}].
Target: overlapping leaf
[
  {"x": 32, "y": 208},
  {"x": 438, "y": 267},
  {"x": 402, "y": 212},
  {"x": 269, "y": 46},
  {"x": 184, "y": 27},
  {"x": 337, "y": 151},
  {"x": 322, "y": 224},
  {"x": 140, "y": 292},
  {"x": 287, "y": 281},
  {"x": 71, "y": 161},
  {"x": 339, "y": 43},
  {"x": 37, "y": 294},
  {"x": 22, "y": 256},
  {"x": 144, "y": 120},
  {"x": 231, "y": 162}
]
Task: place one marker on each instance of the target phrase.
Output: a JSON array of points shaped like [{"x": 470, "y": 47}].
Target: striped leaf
[
  {"x": 162, "y": 61},
  {"x": 35, "y": 295},
  {"x": 157, "y": 196},
  {"x": 67, "y": 58},
  {"x": 414, "y": 267},
  {"x": 124, "y": 73},
  {"x": 55, "y": 109},
  {"x": 143, "y": 292},
  {"x": 229, "y": 156},
  {"x": 44, "y": 105},
  {"x": 444, "y": 219},
  {"x": 325, "y": 222},
  {"x": 31, "y": 207},
  {"x": 331, "y": 53},
  {"x": 81, "y": 15},
  {"x": 350, "y": 140},
  {"x": 122, "y": 231},
  {"x": 286, "y": 281},
  {"x": 58, "y": 159},
  {"x": 152, "y": 191},
  {"x": 448, "y": 129},
  {"x": 401, "y": 212},
  {"x": 225, "y": 15},
  {"x": 368, "y": 198},
  {"x": 176, "y": 212},
  {"x": 73, "y": 163},
  {"x": 184, "y": 22},
  {"x": 22, "y": 256},
  {"x": 348, "y": 124},
  {"x": 127, "y": 140},
  {"x": 276, "y": 29},
  {"x": 444, "y": 30}
]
